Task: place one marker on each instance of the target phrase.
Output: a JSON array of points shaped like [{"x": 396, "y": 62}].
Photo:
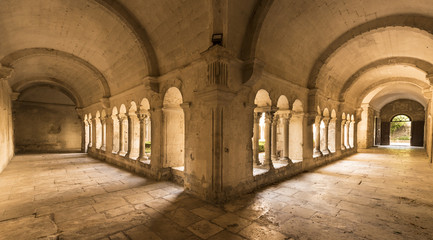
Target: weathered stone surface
[
  {"x": 29, "y": 227},
  {"x": 348, "y": 199}
]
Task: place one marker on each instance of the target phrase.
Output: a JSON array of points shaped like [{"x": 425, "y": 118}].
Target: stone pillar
[
  {"x": 268, "y": 144},
  {"x": 130, "y": 135},
  {"x": 274, "y": 126},
  {"x": 346, "y": 138},
  {"x": 285, "y": 122},
  {"x": 157, "y": 127},
  {"x": 93, "y": 133},
  {"x": 325, "y": 149},
  {"x": 256, "y": 136},
  {"x": 109, "y": 134},
  {"x": 316, "y": 151},
  {"x": 90, "y": 133},
  {"x": 308, "y": 148},
  {"x": 104, "y": 133},
  {"x": 85, "y": 132},
  {"x": 343, "y": 134},
  {"x": 122, "y": 151},
  {"x": 141, "y": 153}
]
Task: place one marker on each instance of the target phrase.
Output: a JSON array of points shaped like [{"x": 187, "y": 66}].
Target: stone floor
[{"x": 379, "y": 194}]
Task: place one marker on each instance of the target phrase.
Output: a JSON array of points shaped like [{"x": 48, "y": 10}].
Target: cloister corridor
[{"x": 382, "y": 193}]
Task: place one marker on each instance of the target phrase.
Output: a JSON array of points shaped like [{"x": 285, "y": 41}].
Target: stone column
[
  {"x": 104, "y": 134},
  {"x": 130, "y": 135},
  {"x": 121, "y": 137},
  {"x": 325, "y": 149},
  {"x": 157, "y": 128},
  {"x": 274, "y": 137},
  {"x": 90, "y": 133},
  {"x": 268, "y": 144},
  {"x": 116, "y": 120},
  {"x": 285, "y": 121},
  {"x": 109, "y": 134},
  {"x": 256, "y": 136},
  {"x": 343, "y": 134},
  {"x": 141, "y": 154},
  {"x": 316, "y": 151},
  {"x": 346, "y": 138},
  {"x": 85, "y": 125}
]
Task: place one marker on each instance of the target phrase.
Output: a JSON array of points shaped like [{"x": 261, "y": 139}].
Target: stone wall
[
  {"x": 44, "y": 127},
  {"x": 6, "y": 130},
  {"x": 407, "y": 107}
]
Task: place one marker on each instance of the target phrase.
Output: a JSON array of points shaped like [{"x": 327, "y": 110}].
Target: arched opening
[
  {"x": 280, "y": 156},
  {"x": 263, "y": 118},
  {"x": 395, "y": 126},
  {"x": 324, "y": 126},
  {"x": 45, "y": 120},
  {"x": 174, "y": 130},
  {"x": 98, "y": 129},
  {"x": 343, "y": 132},
  {"x": 346, "y": 132},
  {"x": 296, "y": 129},
  {"x": 135, "y": 131},
  {"x": 352, "y": 132},
  {"x": 145, "y": 132},
  {"x": 124, "y": 129},
  {"x": 317, "y": 133},
  {"x": 90, "y": 130},
  {"x": 86, "y": 133},
  {"x": 400, "y": 130},
  {"x": 332, "y": 131},
  {"x": 116, "y": 131},
  {"x": 104, "y": 130}
]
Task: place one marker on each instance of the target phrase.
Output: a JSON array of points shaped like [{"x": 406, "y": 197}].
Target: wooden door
[
  {"x": 417, "y": 130},
  {"x": 385, "y": 129}
]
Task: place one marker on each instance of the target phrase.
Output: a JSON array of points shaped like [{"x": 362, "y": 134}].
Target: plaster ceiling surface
[
  {"x": 178, "y": 30},
  {"x": 45, "y": 94},
  {"x": 386, "y": 73},
  {"x": 83, "y": 28},
  {"x": 34, "y": 68},
  {"x": 392, "y": 91},
  {"x": 370, "y": 47},
  {"x": 298, "y": 34}
]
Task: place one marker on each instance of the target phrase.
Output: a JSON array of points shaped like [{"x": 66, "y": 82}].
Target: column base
[
  {"x": 325, "y": 152},
  {"x": 317, "y": 153}
]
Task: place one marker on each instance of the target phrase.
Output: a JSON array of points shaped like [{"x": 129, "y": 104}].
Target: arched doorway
[
  {"x": 395, "y": 128},
  {"x": 400, "y": 130}
]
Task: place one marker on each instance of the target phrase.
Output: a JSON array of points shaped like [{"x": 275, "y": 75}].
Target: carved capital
[
  {"x": 257, "y": 116},
  {"x": 326, "y": 120},
  {"x": 269, "y": 116}
]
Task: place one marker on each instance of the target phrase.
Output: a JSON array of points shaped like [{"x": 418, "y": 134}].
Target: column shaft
[
  {"x": 317, "y": 152},
  {"x": 343, "y": 134},
  {"x": 274, "y": 138},
  {"x": 256, "y": 137},
  {"x": 268, "y": 144}
]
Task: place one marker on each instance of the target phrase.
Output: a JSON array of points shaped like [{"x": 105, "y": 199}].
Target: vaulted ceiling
[{"x": 98, "y": 48}]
